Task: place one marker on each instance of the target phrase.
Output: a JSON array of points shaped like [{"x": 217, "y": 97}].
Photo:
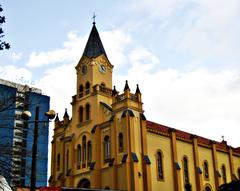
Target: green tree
[{"x": 3, "y": 44}]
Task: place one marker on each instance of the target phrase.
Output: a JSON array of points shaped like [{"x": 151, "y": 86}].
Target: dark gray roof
[{"x": 94, "y": 46}]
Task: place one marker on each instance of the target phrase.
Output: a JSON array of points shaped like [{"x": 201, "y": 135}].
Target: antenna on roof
[{"x": 94, "y": 16}]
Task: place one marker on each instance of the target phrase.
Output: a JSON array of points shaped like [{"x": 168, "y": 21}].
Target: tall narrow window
[
  {"x": 224, "y": 174},
  {"x": 67, "y": 156},
  {"x": 120, "y": 142},
  {"x": 87, "y": 88},
  {"x": 239, "y": 173},
  {"x": 58, "y": 162},
  {"x": 159, "y": 165},
  {"x": 185, "y": 170},
  {"x": 205, "y": 169},
  {"x": 81, "y": 114},
  {"x": 79, "y": 156},
  {"x": 87, "y": 111},
  {"x": 84, "y": 151},
  {"x": 89, "y": 153},
  {"x": 81, "y": 91},
  {"x": 107, "y": 152}
]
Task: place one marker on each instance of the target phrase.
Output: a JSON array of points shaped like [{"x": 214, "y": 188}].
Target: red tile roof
[
  {"x": 237, "y": 150},
  {"x": 155, "y": 127},
  {"x": 183, "y": 135}
]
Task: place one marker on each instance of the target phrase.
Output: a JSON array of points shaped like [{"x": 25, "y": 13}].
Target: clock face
[
  {"x": 102, "y": 68},
  {"x": 84, "y": 69}
]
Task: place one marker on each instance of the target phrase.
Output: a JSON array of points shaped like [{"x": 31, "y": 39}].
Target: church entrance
[{"x": 84, "y": 183}]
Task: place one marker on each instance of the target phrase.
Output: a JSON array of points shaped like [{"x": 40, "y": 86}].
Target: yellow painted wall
[
  {"x": 205, "y": 154},
  {"x": 236, "y": 162},
  {"x": 186, "y": 149},
  {"x": 107, "y": 178},
  {"x": 163, "y": 143},
  {"x": 223, "y": 158},
  {"x": 93, "y": 68},
  {"x": 121, "y": 176},
  {"x": 99, "y": 77}
]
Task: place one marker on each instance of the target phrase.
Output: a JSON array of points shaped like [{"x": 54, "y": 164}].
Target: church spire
[{"x": 94, "y": 46}]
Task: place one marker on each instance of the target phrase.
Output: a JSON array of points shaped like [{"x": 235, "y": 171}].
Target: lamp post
[{"x": 26, "y": 116}]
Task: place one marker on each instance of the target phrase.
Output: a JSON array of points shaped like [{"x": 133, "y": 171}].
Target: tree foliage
[{"x": 3, "y": 44}]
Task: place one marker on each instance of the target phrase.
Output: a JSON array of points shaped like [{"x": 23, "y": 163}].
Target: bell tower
[
  {"x": 104, "y": 144},
  {"x": 94, "y": 82}
]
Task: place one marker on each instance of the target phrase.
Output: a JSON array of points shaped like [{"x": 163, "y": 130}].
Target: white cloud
[
  {"x": 203, "y": 30},
  {"x": 16, "y": 74},
  {"x": 69, "y": 53},
  {"x": 116, "y": 45},
  {"x": 16, "y": 56},
  {"x": 210, "y": 30}
]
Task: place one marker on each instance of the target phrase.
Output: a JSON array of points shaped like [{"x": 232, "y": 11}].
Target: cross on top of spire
[
  {"x": 223, "y": 138},
  {"x": 94, "y": 16}
]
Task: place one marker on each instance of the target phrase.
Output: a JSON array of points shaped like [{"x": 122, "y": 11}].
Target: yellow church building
[{"x": 108, "y": 143}]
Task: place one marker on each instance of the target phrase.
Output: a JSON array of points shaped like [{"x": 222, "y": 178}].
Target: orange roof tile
[{"x": 187, "y": 136}]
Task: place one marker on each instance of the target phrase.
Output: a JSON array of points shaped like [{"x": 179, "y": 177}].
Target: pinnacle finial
[
  {"x": 66, "y": 113},
  {"x": 126, "y": 86},
  {"x": 114, "y": 91},
  {"x": 94, "y": 17},
  {"x": 57, "y": 118},
  {"x": 137, "y": 90}
]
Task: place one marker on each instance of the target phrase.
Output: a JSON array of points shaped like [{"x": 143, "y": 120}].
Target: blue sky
[{"x": 184, "y": 54}]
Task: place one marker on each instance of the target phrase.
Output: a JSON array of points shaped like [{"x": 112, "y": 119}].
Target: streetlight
[{"x": 26, "y": 116}]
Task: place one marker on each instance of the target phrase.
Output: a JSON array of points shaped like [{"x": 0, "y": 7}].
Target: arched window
[
  {"x": 84, "y": 151},
  {"x": 185, "y": 170},
  {"x": 107, "y": 152},
  {"x": 224, "y": 174},
  {"x": 81, "y": 114},
  {"x": 80, "y": 91},
  {"x": 239, "y": 173},
  {"x": 205, "y": 169},
  {"x": 58, "y": 161},
  {"x": 89, "y": 149},
  {"x": 87, "y": 88},
  {"x": 79, "y": 156},
  {"x": 67, "y": 157},
  {"x": 159, "y": 159},
  {"x": 87, "y": 111},
  {"x": 120, "y": 142}
]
